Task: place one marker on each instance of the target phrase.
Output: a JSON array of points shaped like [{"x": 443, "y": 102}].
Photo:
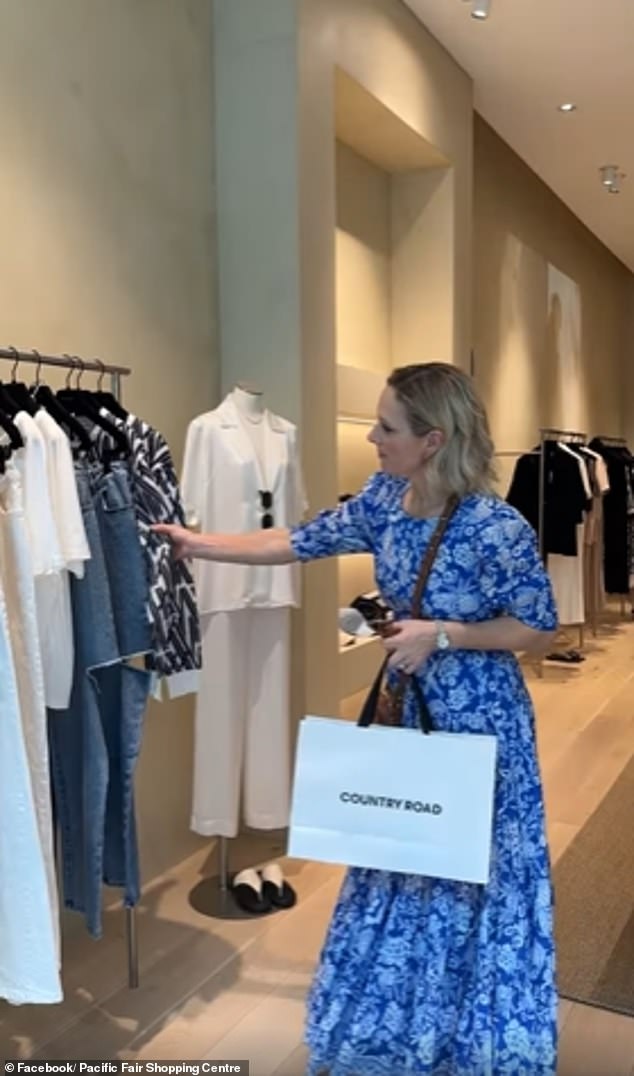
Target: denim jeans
[
  {"x": 124, "y": 689},
  {"x": 95, "y": 743}
]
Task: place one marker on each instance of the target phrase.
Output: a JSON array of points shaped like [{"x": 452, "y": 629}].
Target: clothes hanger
[
  {"x": 18, "y": 397},
  {"x": 7, "y": 414},
  {"x": 48, "y": 400},
  {"x": 108, "y": 399},
  {"x": 81, "y": 402},
  {"x": 12, "y": 432}
]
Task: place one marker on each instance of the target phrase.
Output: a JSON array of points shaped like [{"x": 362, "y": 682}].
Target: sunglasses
[{"x": 266, "y": 504}]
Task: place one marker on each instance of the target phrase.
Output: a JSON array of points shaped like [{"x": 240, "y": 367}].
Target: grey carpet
[{"x": 594, "y": 912}]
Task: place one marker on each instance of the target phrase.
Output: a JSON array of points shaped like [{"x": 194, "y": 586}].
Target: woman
[{"x": 420, "y": 975}]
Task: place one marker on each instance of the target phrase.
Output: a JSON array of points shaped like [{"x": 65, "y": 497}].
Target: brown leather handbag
[{"x": 384, "y": 704}]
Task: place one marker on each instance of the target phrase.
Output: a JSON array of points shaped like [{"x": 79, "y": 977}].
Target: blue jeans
[
  {"x": 95, "y": 743},
  {"x": 123, "y": 689}
]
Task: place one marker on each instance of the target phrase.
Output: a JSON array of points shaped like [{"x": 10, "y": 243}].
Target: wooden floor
[{"x": 223, "y": 989}]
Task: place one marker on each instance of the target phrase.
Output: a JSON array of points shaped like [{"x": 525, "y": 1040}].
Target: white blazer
[{"x": 221, "y": 483}]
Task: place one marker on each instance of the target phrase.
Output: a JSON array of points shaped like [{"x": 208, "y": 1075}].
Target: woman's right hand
[{"x": 183, "y": 541}]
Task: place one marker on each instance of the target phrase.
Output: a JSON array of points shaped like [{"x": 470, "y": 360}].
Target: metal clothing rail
[
  {"x": 81, "y": 366},
  {"x": 67, "y": 362},
  {"x": 620, "y": 441},
  {"x": 512, "y": 453}
]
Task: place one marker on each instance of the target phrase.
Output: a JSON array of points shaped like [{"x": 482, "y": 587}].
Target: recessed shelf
[
  {"x": 378, "y": 134},
  {"x": 357, "y": 392},
  {"x": 358, "y": 665}
]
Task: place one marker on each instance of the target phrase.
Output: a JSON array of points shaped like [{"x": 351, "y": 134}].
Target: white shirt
[
  {"x": 29, "y": 971},
  {"x": 58, "y": 543},
  {"x": 16, "y": 579},
  {"x": 221, "y": 483},
  {"x": 32, "y": 467},
  {"x": 67, "y": 512}
]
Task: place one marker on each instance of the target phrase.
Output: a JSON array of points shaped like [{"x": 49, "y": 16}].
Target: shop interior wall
[
  {"x": 276, "y": 63},
  {"x": 106, "y": 216},
  {"x": 364, "y": 322},
  {"x": 382, "y": 47},
  {"x": 551, "y": 309}
]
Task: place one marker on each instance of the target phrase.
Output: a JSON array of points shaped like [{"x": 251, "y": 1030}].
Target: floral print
[{"x": 420, "y": 975}]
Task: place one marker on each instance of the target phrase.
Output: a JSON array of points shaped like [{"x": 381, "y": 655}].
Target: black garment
[
  {"x": 565, "y": 497},
  {"x": 618, "y": 521}
]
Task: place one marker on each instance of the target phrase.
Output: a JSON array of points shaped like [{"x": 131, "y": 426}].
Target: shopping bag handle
[{"x": 368, "y": 713}]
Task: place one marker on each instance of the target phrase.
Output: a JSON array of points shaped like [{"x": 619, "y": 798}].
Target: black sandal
[
  {"x": 276, "y": 889},
  {"x": 248, "y": 893}
]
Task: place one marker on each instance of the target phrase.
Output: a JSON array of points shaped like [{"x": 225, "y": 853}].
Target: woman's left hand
[{"x": 409, "y": 644}]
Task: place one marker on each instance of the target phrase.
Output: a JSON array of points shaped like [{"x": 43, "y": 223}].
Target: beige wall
[
  {"x": 363, "y": 301},
  {"x": 363, "y": 321},
  {"x": 276, "y": 129},
  {"x": 106, "y": 211},
  {"x": 550, "y": 308},
  {"x": 393, "y": 58}
]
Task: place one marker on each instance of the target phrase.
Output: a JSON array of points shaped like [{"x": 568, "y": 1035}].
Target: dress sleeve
[
  {"x": 346, "y": 529},
  {"x": 514, "y": 578}
]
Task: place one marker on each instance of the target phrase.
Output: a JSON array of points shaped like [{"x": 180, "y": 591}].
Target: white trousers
[{"x": 242, "y": 729}]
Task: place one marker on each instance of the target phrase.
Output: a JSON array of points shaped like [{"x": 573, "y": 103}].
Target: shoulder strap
[
  {"x": 369, "y": 708},
  {"x": 431, "y": 551}
]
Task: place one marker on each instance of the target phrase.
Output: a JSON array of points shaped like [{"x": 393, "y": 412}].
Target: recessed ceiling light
[
  {"x": 480, "y": 9},
  {"x": 611, "y": 177},
  {"x": 567, "y": 106}
]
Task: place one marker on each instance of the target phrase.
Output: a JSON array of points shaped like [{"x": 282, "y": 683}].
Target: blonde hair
[{"x": 437, "y": 396}]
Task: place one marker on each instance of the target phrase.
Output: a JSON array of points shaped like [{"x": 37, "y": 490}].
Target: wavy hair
[{"x": 438, "y": 396}]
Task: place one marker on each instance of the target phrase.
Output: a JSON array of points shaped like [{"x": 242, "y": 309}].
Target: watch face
[{"x": 443, "y": 640}]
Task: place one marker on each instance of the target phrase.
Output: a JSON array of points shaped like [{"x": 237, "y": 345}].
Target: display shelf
[
  {"x": 358, "y": 665},
  {"x": 357, "y": 392}
]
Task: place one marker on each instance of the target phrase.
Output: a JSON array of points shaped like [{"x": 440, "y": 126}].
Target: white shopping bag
[{"x": 394, "y": 799}]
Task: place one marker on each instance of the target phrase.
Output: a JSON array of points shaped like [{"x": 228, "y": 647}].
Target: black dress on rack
[
  {"x": 618, "y": 516},
  {"x": 565, "y": 498}
]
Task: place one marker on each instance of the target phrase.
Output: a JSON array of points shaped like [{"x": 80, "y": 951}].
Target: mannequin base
[{"x": 212, "y": 899}]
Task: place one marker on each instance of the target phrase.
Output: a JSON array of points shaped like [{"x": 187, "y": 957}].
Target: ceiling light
[
  {"x": 480, "y": 9},
  {"x": 609, "y": 175},
  {"x": 567, "y": 106},
  {"x": 611, "y": 178}
]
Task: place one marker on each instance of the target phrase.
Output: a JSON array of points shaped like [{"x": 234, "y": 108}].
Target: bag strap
[
  {"x": 368, "y": 712},
  {"x": 369, "y": 707},
  {"x": 431, "y": 552}
]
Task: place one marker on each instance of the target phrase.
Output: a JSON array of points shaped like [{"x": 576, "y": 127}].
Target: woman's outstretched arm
[{"x": 271, "y": 546}]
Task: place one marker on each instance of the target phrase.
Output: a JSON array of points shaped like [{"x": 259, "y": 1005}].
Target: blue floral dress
[{"x": 420, "y": 975}]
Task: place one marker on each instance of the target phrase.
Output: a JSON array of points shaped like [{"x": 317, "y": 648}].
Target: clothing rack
[
  {"x": 81, "y": 366},
  {"x": 512, "y": 453},
  {"x": 618, "y": 442},
  {"x": 548, "y": 433},
  {"x": 66, "y": 362}
]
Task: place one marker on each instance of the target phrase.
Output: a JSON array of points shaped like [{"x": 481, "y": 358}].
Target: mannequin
[{"x": 241, "y": 472}]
